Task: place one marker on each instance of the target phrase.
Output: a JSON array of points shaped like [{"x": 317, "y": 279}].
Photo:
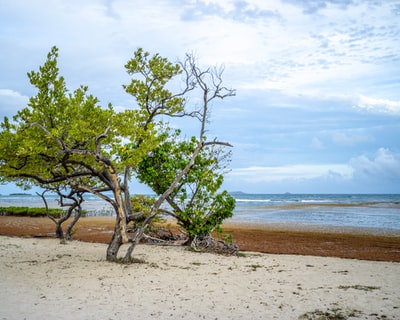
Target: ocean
[{"x": 369, "y": 211}]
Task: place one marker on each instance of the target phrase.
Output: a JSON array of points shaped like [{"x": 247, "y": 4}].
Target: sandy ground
[{"x": 43, "y": 279}]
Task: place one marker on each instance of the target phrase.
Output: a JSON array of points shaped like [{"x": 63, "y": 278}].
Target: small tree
[
  {"x": 195, "y": 201},
  {"x": 72, "y": 200},
  {"x": 196, "y": 205}
]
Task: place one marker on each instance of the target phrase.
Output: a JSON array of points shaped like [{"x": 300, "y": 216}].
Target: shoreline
[
  {"x": 351, "y": 243},
  {"x": 312, "y": 228}
]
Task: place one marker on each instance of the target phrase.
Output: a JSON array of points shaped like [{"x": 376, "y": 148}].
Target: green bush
[
  {"x": 143, "y": 203},
  {"x": 29, "y": 212}
]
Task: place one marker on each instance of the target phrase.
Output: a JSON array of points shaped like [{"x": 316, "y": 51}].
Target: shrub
[{"x": 29, "y": 212}]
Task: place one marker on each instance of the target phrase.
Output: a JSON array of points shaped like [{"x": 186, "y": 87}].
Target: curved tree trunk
[
  {"x": 120, "y": 234},
  {"x": 115, "y": 243},
  {"x": 77, "y": 216},
  {"x": 138, "y": 236},
  {"x": 59, "y": 222}
]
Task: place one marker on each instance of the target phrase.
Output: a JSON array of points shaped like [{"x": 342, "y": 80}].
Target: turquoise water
[{"x": 378, "y": 211}]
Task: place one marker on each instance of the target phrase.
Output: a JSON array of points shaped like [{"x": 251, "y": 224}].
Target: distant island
[
  {"x": 237, "y": 192},
  {"x": 20, "y": 194}
]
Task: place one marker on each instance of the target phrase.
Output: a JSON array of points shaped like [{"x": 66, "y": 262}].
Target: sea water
[{"x": 373, "y": 211}]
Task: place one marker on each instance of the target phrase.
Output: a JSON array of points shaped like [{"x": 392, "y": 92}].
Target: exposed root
[{"x": 208, "y": 244}]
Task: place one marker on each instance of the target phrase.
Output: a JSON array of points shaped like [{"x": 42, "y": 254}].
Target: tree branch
[{"x": 98, "y": 193}]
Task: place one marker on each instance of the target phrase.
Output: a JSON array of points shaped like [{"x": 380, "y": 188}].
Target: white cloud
[
  {"x": 384, "y": 165},
  {"x": 378, "y": 105},
  {"x": 333, "y": 52},
  {"x": 11, "y": 101},
  {"x": 11, "y": 94},
  {"x": 371, "y": 174},
  {"x": 280, "y": 47},
  {"x": 290, "y": 172}
]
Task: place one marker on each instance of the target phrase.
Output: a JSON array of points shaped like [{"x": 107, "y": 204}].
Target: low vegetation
[{"x": 30, "y": 212}]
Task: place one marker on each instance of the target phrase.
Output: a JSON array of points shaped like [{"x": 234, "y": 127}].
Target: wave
[
  {"x": 315, "y": 201},
  {"x": 253, "y": 200},
  {"x": 286, "y": 206}
]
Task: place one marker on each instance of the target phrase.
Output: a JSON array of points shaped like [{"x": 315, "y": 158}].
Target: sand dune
[{"x": 43, "y": 279}]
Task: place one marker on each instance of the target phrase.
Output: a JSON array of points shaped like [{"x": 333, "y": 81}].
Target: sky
[{"x": 317, "y": 105}]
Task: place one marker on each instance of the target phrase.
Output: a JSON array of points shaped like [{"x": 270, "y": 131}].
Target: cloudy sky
[{"x": 317, "y": 108}]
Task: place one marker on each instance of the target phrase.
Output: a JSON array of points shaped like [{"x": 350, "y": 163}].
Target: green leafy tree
[
  {"x": 195, "y": 201},
  {"x": 68, "y": 140}
]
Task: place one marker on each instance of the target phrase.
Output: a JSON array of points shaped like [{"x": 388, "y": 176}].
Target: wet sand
[{"x": 277, "y": 239}]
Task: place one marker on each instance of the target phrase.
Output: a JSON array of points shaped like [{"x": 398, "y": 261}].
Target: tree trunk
[
  {"x": 59, "y": 230},
  {"x": 120, "y": 235},
  {"x": 59, "y": 222},
  {"x": 135, "y": 241},
  {"x": 78, "y": 214},
  {"x": 116, "y": 242},
  {"x": 139, "y": 233}
]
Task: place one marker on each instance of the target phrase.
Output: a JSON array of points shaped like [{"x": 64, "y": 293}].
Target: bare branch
[
  {"x": 52, "y": 180},
  {"x": 215, "y": 142},
  {"x": 46, "y": 205},
  {"x": 133, "y": 217},
  {"x": 128, "y": 204},
  {"x": 96, "y": 192},
  {"x": 57, "y": 140},
  {"x": 210, "y": 83},
  {"x": 170, "y": 213},
  {"x": 101, "y": 137}
]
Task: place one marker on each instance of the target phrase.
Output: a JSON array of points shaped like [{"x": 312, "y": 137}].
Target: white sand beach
[{"x": 43, "y": 279}]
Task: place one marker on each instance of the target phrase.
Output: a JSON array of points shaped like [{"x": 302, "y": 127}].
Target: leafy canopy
[
  {"x": 62, "y": 136},
  {"x": 195, "y": 201}
]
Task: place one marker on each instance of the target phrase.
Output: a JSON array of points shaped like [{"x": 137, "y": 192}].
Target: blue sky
[{"x": 318, "y": 82}]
